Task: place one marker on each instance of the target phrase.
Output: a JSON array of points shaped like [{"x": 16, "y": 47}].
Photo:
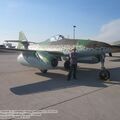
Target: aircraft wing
[{"x": 55, "y": 53}]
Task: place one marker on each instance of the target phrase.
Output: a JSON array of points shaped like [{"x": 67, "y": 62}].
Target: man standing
[{"x": 73, "y": 64}]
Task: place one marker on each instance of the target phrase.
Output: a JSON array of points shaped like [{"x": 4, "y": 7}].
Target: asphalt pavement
[{"x": 87, "y": 98}]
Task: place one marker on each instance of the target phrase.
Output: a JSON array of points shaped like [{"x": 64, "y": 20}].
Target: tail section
[
  {"x": 22, "y": 36},
  {"x": 23, "y": 42}
]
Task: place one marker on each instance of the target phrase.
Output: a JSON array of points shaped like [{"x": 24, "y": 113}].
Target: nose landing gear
[{"x": 104, "y": 74}]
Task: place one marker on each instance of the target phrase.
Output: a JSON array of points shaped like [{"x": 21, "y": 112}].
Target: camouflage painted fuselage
[{"x": 84, "y": 47}]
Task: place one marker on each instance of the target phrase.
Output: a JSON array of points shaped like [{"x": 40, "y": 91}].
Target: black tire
[
  {"x": 67, "y": 64},
  {"x": 43, "y": 71},
  {"x": 54, "y": 62},
  {"x": 104, "y": 74},
  {"x": 110, "y": 54}
]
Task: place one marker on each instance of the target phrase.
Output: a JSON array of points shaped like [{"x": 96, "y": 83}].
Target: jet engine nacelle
[
  {"x": 89, "y": 59},
  {"x": 41, "y": 60}
]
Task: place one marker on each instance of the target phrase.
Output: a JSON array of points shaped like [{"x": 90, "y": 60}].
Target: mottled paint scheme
[
  {"x": 41, "y": 55},
  {"x": 83, "y": 46},
  {"x": 89, "y": 51}
]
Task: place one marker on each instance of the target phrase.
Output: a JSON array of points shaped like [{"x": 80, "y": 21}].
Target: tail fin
[
  {"x": 23, "y": 43},
  {"x": 22, "y": 38}
]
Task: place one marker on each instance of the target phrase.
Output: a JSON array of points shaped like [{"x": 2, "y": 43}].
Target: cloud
[{"x": 109, "y": 32}]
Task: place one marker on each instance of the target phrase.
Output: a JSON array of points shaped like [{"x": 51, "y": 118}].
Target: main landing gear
[{"x": 104, "y": 74}]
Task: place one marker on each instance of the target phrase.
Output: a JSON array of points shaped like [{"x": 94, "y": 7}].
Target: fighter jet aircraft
[{"x": 46, "y": 54}]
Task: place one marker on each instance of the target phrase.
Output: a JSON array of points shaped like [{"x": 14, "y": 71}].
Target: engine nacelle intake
[{"x": 41, "y": 60}]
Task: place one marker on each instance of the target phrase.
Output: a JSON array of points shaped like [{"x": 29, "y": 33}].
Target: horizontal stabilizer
[
  {"x": 20, "y": 50},
  {"x": 19, "y": 41}
]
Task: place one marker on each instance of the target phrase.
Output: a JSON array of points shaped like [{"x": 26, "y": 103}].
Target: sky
[{"x": 41, "y": 19}]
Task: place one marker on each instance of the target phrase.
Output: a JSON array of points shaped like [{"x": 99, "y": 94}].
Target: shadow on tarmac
[{"x": 57, "y": 81}]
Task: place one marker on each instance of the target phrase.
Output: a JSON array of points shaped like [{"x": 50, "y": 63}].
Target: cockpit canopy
[{"x": 56, "y": 38}]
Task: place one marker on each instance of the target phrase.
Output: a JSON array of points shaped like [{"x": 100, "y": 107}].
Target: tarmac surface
[{"x": 87, "y": 98}]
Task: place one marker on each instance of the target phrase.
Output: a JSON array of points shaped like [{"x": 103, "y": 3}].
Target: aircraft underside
[{"x": 45, "y": 61}]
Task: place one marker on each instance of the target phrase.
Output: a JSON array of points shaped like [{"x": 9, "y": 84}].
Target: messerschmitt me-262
[{"x": 46, "y": 54}]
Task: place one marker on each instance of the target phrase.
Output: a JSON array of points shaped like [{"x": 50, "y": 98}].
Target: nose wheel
[
  {"x": 104, "y": 74},
  {"x": 67, "y": 65}
]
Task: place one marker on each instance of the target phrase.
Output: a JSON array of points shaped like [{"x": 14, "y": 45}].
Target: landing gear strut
[{"x": 104, "y": 73}]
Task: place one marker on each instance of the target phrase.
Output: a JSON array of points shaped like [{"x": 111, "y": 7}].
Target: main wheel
[
  {"x": 67, "y": 64},
  {"x": 104, "y": 74},
  {"x": 110, "y": 54},
  {"x": 43, "y": 71},
  {"x": 54, "y": 62}
]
